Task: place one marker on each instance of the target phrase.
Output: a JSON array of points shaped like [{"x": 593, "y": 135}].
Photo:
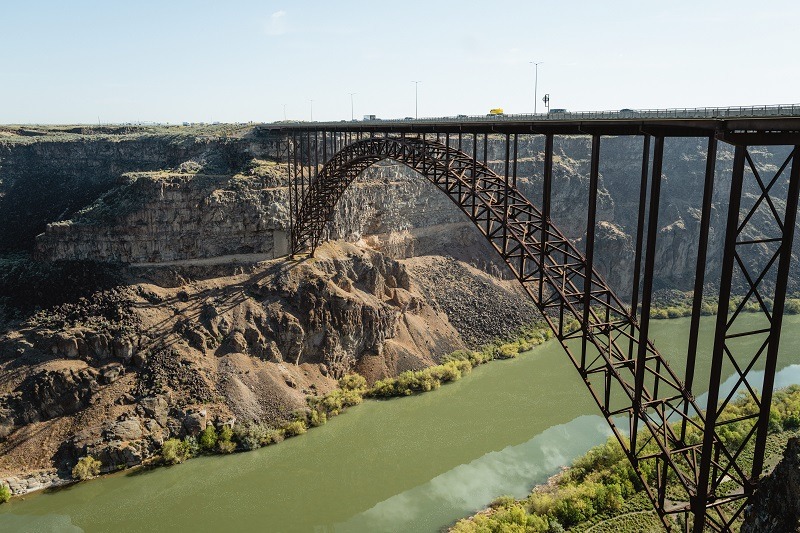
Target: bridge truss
[{"x": 696, "y": 476}]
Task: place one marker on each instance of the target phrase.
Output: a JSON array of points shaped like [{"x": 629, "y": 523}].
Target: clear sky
[{"x": 81, "y": 61}]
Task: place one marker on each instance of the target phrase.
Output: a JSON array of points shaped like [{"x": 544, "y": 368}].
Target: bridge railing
[{"x": 787, "y": 110}]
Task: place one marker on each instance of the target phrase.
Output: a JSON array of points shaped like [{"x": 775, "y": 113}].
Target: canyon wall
[{"x": 187, "y": 213}]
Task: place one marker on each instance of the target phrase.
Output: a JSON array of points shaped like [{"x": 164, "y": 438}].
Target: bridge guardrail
[{"x": 765, "y": 111}]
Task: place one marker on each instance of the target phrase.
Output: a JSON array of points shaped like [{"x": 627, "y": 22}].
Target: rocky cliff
[
  {"x": 187, "y": 213},
  {"x": 49, "y": 174}
]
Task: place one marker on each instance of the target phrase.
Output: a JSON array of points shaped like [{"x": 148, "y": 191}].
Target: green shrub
[
  {"x": 463, "y": 355},
  {"x": 335, "y": 401},
  {"x": 353, "y": 382},
  {"x": 192, "y": 446},
  {"x": 225, "y": 442},
  {"x": 86, "y": 468},
  {"x": 674, "y": 312},
  {"x": 273, "y": 436},
  {"x": 296, "y": 427},
  {"x": 5, "y": 493},
  {"x": 447, "y": 372},
  {"x": 507, "y": 351},
  {"x": 226, "y": 446},
  {"x": 208, "y": 438},
  {"x": 174, "y": 451},
  {"x": 792, "y": 306},
  {"x": 708, "y": 309},
  {"x": 503, "y": 501},
  {"x": 791, "y": 422},
  {"x": 251, "y": 437},
  {"x": 317, "y": 418}
]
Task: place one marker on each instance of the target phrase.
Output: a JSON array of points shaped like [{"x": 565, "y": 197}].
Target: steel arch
[{"x": 626, "y": 375}]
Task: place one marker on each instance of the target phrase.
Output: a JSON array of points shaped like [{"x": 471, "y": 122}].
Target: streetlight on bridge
[
  {"x": 352, "y": 115},
  {"x": 416, "y": 97},
  {"x": 312, "y": 111},
  {"x": 535, "y": 83}
]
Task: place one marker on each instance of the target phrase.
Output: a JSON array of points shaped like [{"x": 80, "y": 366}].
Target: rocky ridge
[{"x": 114, "y": 376}]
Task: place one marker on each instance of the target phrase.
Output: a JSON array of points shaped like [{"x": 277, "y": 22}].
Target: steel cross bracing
[{"x": 672, "y": 443}]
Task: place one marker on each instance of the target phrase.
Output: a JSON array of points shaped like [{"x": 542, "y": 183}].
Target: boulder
[
  {"x": 155, "y": 407},
  {"x": 195, "y": 422},
  {"x": 111, "y": 373},
  {"x": 125, "y": 430}
]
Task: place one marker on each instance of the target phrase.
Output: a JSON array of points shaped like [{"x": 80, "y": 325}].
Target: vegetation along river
[{"x": 409, "y": 464}]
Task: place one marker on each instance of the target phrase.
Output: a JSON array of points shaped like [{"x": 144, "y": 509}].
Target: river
[{"x": 406, "y": 465}]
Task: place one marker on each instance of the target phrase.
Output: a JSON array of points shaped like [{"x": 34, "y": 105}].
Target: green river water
[{"x": 405, "y": 465}]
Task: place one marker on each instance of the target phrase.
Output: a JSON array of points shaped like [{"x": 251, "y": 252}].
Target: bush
[
  {"x": 317, "y": 418},
  {"x": 335, "y": 401},
  {"x": 251, "y": 437},
  {"x": 192, "y": 446},
  {"x": 208, "y": 438},
  {"x": 294, "y": 428},
  {"x": 86, "y": 468},
  {"x": 174, "y": 451},
  {"x": 226, "y": 446},
  {"x": 675, "y": 312},
  {"x": 507, "y": 351},
  {"x": 503, "y": 501},
  {"x": 791, "y": 422},
  {"x": 353, "y": 382},
  {"x": 5, "y": 493},
  {"x": 225, "y": 434},
  {"x": 792, "y": 306}
]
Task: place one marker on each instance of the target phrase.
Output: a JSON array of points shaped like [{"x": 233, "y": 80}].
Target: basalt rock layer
[{"x": 178, "y": 348}]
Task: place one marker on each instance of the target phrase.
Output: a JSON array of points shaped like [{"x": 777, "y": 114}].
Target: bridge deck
[{"x": 725, "y": 123}]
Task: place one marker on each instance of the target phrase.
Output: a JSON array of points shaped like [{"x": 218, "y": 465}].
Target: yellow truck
[{"x": 496, "y": 111}]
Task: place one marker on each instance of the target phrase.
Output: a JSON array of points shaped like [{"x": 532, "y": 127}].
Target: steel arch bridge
[{"x": 674, "y": 444}]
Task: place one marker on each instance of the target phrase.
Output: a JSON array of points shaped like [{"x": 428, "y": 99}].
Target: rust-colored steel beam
[
  {"x": 624, "y": 372},
  {"x": 588, "y": 310}
]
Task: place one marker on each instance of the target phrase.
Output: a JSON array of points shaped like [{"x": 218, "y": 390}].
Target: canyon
[{"x": 152, "y": 298}]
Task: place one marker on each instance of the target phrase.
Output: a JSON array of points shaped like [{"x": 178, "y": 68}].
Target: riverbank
[
  {"x": 601, "y": 492},
  {"x": 353, "y": 388},
  {"x": 418, "y": 464}
]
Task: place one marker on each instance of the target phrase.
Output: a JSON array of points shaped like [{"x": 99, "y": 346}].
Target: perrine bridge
[{"x": 696, "y": 477}]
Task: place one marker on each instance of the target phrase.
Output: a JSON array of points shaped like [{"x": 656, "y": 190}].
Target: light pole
[
  {"x": 284, "y": 112},
  {"x": 352, "y": 115},
  {"x": 416, "y": 97},
  {"x": 312, "y": 110},
  {"x": 536, "y": 83}
]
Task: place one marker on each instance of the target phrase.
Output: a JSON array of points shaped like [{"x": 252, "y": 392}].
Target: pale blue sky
[{"x": 241, "y": 60}]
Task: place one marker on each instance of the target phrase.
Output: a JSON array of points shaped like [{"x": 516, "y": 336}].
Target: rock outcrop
[
  {"x": 115, "y": 375},
  {"x": 159, "y": 217},
  {"x": 775, "y": 507}
]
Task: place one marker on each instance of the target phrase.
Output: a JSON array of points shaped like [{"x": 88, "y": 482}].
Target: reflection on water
[
  {"x": 467, "y": 487},
  {"x": 789, "y": 375}
]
